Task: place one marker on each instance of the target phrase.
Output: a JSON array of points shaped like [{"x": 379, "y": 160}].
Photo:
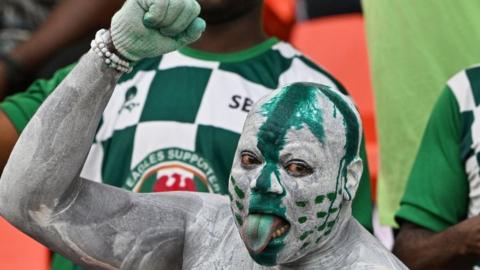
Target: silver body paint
[
  {"x": 348, "y": 245},
  {"x": 103, "y": 227}
]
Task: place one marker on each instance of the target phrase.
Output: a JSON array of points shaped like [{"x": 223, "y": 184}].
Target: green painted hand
[{"x": 149, "y": 28}]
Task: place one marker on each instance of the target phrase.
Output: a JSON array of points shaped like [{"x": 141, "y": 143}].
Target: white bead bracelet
[{"x": 99, "y": 45}]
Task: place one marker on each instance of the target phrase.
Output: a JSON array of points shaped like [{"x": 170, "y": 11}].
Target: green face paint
[
  {"x": 319, "y": 199},
  {"x": 239, "y": 192},
  {"x": 239, "y": 205},
  {"x": 321, "y": 214},
  {"x": 239, "y": 219},
  {"x": 311, "y": 204},
  {"x": 293, "y": 108},
  {"x": 301, "y": 204},
  {"x": 351, "y": 123}
]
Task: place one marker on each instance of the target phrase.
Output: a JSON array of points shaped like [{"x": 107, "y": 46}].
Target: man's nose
[{"x": 268, "y": 181}]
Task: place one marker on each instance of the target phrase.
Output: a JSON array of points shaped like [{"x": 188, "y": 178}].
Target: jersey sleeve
[
  {"x": 20, "y": 107},
  {"x": 436, "y": 195}
]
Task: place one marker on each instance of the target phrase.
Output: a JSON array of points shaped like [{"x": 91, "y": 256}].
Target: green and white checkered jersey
[
  {"x": 174, "y": 122},
  {"x": 466, "y": 88}
]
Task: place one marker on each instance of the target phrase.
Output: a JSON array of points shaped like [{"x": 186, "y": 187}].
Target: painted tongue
[{"x": 257, "y": 231}]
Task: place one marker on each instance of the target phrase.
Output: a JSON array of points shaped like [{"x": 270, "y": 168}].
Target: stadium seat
[{"x": 18, "y": 251}]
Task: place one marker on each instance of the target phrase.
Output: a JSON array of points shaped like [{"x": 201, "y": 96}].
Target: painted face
[{"x": 288, "y": 176}]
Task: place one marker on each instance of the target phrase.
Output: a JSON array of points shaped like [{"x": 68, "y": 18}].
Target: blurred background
[{"x": 330, "y": 32}]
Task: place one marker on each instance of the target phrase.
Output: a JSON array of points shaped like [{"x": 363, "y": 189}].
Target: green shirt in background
[
  {"x": 444, "y": 186},
  {"x": 22, "y": 106},
  {"x": 436, "y": 194},
  {"x": 414, "y": 47}
]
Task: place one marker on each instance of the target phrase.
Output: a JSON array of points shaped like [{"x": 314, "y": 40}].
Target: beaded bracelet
[{"x": 100, "y": 46}]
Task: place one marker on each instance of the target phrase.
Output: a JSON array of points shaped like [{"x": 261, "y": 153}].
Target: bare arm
[
  {"x": 93, "y": 224},
  {"x": 458, "y": 247},
  {"x": 40, "y": 179},
  {"x": 7, "y": 139},
  {"x": 40, "y": 190}
]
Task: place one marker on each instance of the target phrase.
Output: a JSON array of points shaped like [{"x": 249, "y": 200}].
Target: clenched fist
[{"x": 149, "y": 28}]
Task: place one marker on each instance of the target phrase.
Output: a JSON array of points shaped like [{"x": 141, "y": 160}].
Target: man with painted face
[
  {"x": 295, "y": 172},
  {"x": 174, "y": 121},
  {"x": 146, "y": 142}
]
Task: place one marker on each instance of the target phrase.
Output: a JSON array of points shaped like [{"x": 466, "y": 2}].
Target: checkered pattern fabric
[
  {"x": 173, "y": 123},
  {"x": 465, "y": 86}
]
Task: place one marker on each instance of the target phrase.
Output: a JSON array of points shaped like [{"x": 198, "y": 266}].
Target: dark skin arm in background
[
  {"x": 458, "y": 247},
  {"x": 8, "y": 138},
  {"x": 69, "y": 21}
]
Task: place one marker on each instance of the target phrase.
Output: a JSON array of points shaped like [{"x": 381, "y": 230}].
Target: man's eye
[
  {"x": 249, "y": 160},
  {"x": 298, "y": 168}
]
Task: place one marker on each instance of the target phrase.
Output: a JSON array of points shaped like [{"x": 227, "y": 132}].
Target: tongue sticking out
[{"x": 257, "y": 231}]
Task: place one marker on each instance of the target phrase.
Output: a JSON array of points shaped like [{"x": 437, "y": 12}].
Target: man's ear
[{"x": 352, "y": 178}]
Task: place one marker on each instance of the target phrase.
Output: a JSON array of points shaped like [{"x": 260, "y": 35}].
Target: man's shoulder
[
  {"x": 465, "y": 86},
  {"x": 286, "y": 49},
  {"x": 302, "y": 68},
  {"x": 285, "y": 63},
  {"x": 472, "y": 68}
]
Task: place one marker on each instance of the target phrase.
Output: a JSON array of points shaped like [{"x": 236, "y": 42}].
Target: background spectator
[
  {"x": 414, "y": 47},
  {"x": 29, "y": 53}
]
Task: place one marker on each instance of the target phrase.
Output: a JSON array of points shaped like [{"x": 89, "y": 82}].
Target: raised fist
[{"x": 149, "y": 28}]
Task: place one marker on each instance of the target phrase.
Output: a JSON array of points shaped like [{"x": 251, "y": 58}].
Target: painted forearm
[{"x": 44, "y": 165}]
